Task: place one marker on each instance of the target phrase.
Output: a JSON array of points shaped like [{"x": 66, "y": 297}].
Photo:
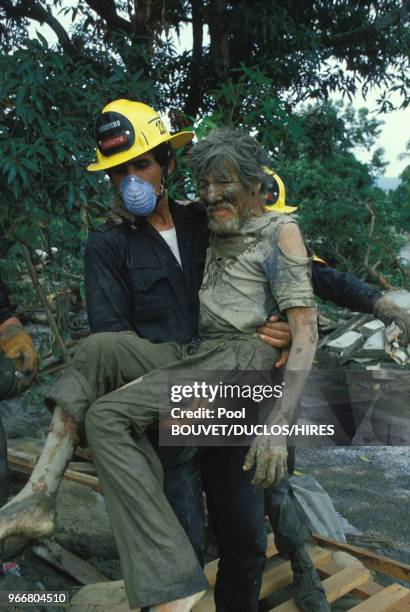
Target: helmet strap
[{"x": 164, "y": 176}]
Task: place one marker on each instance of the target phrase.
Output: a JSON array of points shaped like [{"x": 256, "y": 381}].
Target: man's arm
[
  {"x": 343, "y": 289},
  {"x": 109, "y": 304},
  {"x": 269, "y": 453},
  {"x": 347, "y": 291}
]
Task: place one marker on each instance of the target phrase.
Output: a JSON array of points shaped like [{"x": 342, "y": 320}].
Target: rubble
[
  {"x": 83, "y": 526},
  {"x": 346, "y": 344},
  {"x": 100, "y": 596},
  {"x": 373, "y": 348},
  {"x": 372, "y": 327},
  {"x": 366, "y": 340}
]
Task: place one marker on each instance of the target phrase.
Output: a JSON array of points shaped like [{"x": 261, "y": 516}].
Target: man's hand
[
  {"x": 277, "y": 334},
  {"x": 389, "y": 312},
  {"x": 18, "y": 346},
  {"x": 270, "y": 460}
]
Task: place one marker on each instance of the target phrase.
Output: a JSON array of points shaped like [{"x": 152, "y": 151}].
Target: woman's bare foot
[
  {"x": 179, "y": 605},
  {"x": 32, "y": 516}
]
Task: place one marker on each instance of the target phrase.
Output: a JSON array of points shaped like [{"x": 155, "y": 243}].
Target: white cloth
[{"x": 170, "y": 237}]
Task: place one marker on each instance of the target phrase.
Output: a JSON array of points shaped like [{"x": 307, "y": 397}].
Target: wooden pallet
[{"x": 337, "y": 581}]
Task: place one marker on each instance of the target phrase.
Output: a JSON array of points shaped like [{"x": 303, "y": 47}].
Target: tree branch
[
  {"x": 106, "y": 10},
  {"x": 40, "y": 292},
  {"x": 370, "y": 30},
  {"x": 219, "y": 46},
  {"x": 195, "y": 89},
  {"x": 370, "y": 234},
  {"x": 32, "y": 10}
]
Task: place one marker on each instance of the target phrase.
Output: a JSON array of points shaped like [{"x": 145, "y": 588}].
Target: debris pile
[{"x": 366, "y": 340}]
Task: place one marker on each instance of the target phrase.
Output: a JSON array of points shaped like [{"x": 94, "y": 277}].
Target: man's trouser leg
[
  {"x": 288, "y": 521},
  {"x": 104, "y": 362},
  {"x": 236, "y": 516},
  {"x": 157, "y": 560},
  {"x": 110, "y": 360},
  {"x": 131, "y": 478},
  {"x": 183, "y": 490}
]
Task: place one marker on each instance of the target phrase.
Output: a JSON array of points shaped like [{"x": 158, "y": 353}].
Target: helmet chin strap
[
  {"x": 164, "y": 177},
  {"x": 162, "y": 190}
]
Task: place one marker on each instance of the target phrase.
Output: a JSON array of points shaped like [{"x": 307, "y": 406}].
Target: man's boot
[{"x": 308, "y": 591}]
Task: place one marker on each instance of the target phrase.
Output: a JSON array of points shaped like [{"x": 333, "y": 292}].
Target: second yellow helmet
[{"x": 276, "y": 193}]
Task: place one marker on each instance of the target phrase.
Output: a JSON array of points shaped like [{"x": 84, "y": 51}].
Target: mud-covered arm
[
  {"x": 298, "y": 302},
  {"x": 106, "y": 292},
  {"x": 294, "y": 294}
]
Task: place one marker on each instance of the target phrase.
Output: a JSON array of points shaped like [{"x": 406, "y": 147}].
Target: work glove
[
  {"x": 270, "y": 460},
  {"x": 18, "y": 346},
  {"x": 389, "y": 312}
]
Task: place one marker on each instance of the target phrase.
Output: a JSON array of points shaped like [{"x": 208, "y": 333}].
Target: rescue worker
[
  {"x": 134, "y": 282},
  {"x": 18, "y": 367}
]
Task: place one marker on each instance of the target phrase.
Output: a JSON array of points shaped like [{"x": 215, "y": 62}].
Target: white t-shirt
[{"x": 170, "y": 237}]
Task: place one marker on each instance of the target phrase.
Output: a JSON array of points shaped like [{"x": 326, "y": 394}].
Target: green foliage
[
  {"x": 401, "y": 202},
  {"x": 48, "y": 104},
  {"x": 263, "y": 60},
  {"x": 346, "y": 219}
]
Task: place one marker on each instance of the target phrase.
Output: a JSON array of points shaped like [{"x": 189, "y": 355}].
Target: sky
[{"x": 395, "y": 133}]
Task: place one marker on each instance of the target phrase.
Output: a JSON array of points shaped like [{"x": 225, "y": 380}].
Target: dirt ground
[{"x": 369, "y": 487}]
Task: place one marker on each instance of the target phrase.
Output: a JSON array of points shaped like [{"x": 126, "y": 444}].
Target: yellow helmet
[
  {"x": 126, "y": 129},
  {"x": 276, "y": 194}
]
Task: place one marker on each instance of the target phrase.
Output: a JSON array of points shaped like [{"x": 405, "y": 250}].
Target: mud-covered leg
[
  {"x": 32, "y": 511},
  {"x": 102, "y": 363}
]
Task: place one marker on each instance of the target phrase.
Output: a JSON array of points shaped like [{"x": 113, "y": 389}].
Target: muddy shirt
[{"x": 247, "y": 277}]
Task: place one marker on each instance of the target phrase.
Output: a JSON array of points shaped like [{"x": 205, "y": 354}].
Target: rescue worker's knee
[
  {"x": 97, "y": 424},
  {"x": 94, "y": 347}
]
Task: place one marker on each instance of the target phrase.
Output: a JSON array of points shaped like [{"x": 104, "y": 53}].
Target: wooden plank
[
  {"x": 384, "y": 565},
  {"x": 21, "y": 458},
  {"x": 32, "y": 446},
  {"x": 274, "y": 579},
  {"x": 367, "y": 589},
  {"x": 82, "y": 466},
  {"x": 207, "y": 604},
  {"x": 335, "y": 586},
  {"x": 84, "y": 479},
  {"x": 23, "y": 462},
  {"x": 68, "y": 563},
  {"x": 388, "y": 599},
  {"x": 281, "y": 575},
  {"x": 83, "y": 453}
]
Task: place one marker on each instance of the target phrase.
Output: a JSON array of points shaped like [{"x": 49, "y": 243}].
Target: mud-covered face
[{"x": 228, "y": 200}]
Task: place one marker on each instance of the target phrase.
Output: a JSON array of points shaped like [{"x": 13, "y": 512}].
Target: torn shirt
[{"x": 248, "y": 277}]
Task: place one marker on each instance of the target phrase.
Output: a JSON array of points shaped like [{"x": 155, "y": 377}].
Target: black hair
[{"x": 162, "y": 154}]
